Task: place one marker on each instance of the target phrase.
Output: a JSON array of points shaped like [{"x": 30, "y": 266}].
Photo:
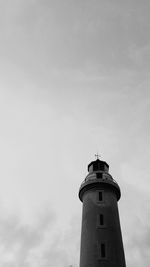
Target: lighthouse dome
[{"x": 98, "y": 165}]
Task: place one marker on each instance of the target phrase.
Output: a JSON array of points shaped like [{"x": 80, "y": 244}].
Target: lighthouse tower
[{"x": 101, "y": 239}]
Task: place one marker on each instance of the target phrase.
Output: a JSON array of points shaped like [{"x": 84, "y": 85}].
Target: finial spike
[{"x": 97, "y": 156}]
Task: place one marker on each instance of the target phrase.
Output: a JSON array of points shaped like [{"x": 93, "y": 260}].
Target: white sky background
[{"x": 74, "y": 80}]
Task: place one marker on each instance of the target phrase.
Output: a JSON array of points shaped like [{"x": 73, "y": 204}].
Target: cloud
[
  {"x": 39, "y": 244},
  {"x": 138, "y": 244},
  {"x": 135, "y": 217},
  {"x": 17, "y": 240},
  {"x": 38, "y": 36}
]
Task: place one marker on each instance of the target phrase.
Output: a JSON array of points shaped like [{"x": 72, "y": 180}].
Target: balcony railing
[{"x": 99, "y": 179}]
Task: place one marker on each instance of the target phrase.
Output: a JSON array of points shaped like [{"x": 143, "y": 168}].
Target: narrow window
[
  {"x": 103, "y": 251},
  {"x": 100, "y": 195},
  {"x": 101, "y": 219},
  {"x": 99, "y": 175}
]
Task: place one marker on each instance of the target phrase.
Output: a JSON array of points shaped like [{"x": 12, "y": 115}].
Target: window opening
[
  {"x": 101, "y": 219},
  {"x": 99, "y": 175},
  {"x": 103, "y": 251},
  {"x": 100, "y": 195}
]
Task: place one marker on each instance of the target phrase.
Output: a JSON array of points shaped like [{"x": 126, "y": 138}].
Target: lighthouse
[{"x": 101, "y": 238}]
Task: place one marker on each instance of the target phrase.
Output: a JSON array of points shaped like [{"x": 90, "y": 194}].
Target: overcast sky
[{"x": 74, "y": 81}]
